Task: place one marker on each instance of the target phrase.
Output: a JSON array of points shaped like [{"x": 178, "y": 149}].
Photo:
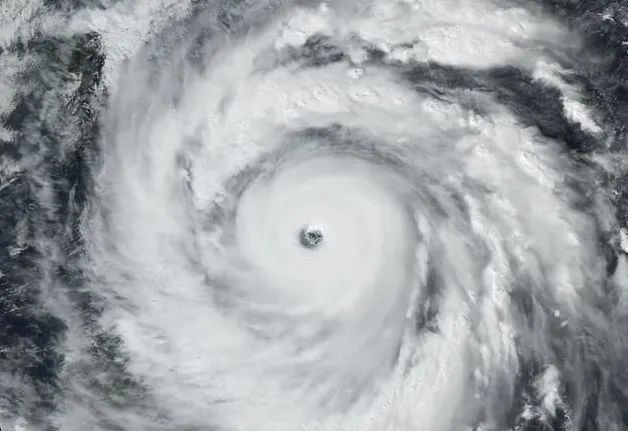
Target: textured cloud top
[{"x": 276, "y": 216}]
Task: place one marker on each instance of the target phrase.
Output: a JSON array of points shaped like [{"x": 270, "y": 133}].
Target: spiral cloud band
[{"x": 354, "y": 215}]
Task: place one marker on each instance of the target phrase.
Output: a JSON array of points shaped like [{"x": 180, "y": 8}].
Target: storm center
[{"x": 311, "y": 236}]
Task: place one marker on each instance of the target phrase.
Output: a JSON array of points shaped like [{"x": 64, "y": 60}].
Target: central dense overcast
[{"x": 354, "y": 215}]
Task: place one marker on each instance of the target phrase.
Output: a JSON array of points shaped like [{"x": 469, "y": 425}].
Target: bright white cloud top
[{"x": 352, "y": 215}]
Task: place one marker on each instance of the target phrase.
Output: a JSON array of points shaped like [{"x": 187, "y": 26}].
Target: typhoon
[{"x": 352, "y": 215}]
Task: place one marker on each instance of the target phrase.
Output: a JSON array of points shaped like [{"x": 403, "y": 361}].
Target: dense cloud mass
[{"x": 352, "y": 215}]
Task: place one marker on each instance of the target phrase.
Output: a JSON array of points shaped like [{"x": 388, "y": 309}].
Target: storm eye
[{"x": 311, "y": 236}]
